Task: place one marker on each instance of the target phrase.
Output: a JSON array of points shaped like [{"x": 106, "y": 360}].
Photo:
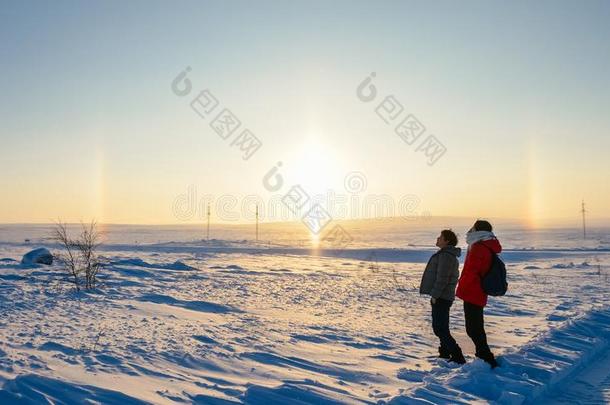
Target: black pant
[
  {"x": 440, "y": 325},
  {"x": 475, "y": 328}
]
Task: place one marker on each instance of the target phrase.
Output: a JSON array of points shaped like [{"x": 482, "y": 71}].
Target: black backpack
[{"x": 494, "y": 282}]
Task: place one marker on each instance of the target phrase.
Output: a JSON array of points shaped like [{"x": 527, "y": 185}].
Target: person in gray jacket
[{"x": 439, "y": 280}]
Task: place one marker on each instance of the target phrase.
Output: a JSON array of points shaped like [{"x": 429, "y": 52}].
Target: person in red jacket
[{"x": 481, "y": 243}]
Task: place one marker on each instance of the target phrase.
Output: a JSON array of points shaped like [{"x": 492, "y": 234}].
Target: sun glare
[
  {"x": 315, "y": 167},
  {"x": 315, "y": 240}
]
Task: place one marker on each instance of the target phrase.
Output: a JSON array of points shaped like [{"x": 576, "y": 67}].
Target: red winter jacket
[{"x": 476, "y": 265}]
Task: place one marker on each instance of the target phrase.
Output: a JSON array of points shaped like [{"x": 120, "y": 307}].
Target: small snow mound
[
  {"x": 511, "y": 398},
  {"x": 563, "y": 266},
  {"x": 131, "y": 262},
  {"x": 411, "y": 375},
  {"x": 229, "y": 267},
  {"x": 204, "y": 339},
  {"x": 38, "y": 256},
  {"x": 137, "y": 262},
  {"x": 57, "y": 347},
  {"x": 201, "y": 306},
  {"x": 290, "y": 393},
  {"x": 38, "y": 389},
  {"x": 556, "y": 318},
  {"x": 570, "y": 265},
  {"x": 178, "y": 265}
]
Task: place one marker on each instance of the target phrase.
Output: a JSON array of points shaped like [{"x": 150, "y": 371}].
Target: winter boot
[
  {"x": 457, "y": 356},
  {"x": 488, "y": 358},
  {"x": 443, "y": 353},
  {"x": 492, "y": 362}
]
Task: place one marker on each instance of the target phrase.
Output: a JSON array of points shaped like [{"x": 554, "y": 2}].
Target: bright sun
[{"x": 315, "y": 167}]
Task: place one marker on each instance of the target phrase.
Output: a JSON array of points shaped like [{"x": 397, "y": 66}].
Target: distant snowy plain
[{"x": 233, "y": 321}]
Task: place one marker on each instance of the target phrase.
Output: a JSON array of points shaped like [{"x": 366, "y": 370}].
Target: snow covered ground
[{"x": 239, "y": 322}]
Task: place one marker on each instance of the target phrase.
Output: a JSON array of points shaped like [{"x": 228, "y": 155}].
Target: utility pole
[
  {"x": 584, "y": 227},
  {"x": 257, "y": 222},
  {"x": 208, "y": 215}
]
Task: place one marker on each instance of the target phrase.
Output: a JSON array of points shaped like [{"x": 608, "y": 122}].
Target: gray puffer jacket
[{"x": 441, "y": 274}]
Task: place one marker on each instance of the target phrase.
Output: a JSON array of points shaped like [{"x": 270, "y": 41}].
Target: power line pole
[
  {"x": 208, "y": 215},
  {"x": 257, "y": 222},
  {"x": 584, "y": 227}
]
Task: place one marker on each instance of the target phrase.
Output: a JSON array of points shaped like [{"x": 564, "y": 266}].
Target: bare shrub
[
  {"x": 70, "y": 255},
  {"x": 79, "y": 255},
  {"x": 87, "y": 246}
]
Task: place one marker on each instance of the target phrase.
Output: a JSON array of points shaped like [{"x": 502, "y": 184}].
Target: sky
[{"x": 517, "y": 93}]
